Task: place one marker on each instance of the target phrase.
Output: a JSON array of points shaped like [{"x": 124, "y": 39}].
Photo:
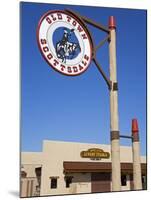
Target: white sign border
[{"x": 85, "y": 30}]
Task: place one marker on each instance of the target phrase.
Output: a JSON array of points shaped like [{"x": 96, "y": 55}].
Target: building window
[
  {"x": 53, "y": 183},
  {"x": 68, "y": 180},
  {"x": 144, "y": 184},
  {"x": 123, "y": 180}
]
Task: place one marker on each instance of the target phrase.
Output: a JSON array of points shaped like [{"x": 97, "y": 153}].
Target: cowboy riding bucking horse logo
[{"x": 64, "y": 42}]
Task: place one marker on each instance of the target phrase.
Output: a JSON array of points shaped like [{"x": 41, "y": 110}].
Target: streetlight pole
[{"x": 114, "y": 118}]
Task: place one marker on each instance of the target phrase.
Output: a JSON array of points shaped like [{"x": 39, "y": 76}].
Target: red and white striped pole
[
  {"x": 114, "y": 118},
  {"x": 136, "y": 156}
]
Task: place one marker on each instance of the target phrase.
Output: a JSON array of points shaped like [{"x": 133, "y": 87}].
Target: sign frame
[
  {"x": 76, "y": 18},
  {"x": 95, "y": 153}
]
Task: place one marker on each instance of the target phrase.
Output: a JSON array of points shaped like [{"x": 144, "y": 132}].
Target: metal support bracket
[
  {"x": 101, "y": 43},
  {"x": 126, "y": 136},
  {"x": 102, "y": 73},
  {"x": 107, "y": 38},
  {"x": 89, "y": 21}
]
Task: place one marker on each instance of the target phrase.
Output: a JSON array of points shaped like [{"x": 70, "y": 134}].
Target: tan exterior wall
[
  {"x": 28, "y": 187},
  {"x": 35, "y": 158},
  {"x": 30, "y": 161},
  {"x": 55, "y": 153}
]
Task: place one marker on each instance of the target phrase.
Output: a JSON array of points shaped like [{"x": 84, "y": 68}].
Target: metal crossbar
[{"x": 126, "y": 136}]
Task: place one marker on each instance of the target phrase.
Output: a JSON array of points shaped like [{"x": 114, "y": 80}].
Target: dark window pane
[
  {"x": 123, "y": 180},
  {"x": 53, "y": 183},
  {"x": 68, "y": 181},
  {"x": 144, "y": 183}
]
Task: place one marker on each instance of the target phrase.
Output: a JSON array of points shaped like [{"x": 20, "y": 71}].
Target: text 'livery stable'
[{"x": 64, "y": 42}]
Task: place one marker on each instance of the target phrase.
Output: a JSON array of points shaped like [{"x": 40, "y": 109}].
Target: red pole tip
[
  {"x": 112, "y": 23},
  {"x": 135, "y": 126}
]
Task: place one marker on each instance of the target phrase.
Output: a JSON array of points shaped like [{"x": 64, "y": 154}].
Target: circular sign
[{"x": 64, "y": 42}]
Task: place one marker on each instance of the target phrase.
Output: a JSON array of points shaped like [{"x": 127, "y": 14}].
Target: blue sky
[{"x": 58, "y": 107}]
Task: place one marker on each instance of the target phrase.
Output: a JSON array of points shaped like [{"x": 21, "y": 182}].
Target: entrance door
[{"x": 100, "y": 182}]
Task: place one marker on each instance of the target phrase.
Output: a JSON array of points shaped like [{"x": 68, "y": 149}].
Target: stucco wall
[{"x": 55, "y": 153}]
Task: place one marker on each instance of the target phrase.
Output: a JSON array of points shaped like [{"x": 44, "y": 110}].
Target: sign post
[
  {"x": 136, "y": 156},
  {"x": 114, "y": 121}
]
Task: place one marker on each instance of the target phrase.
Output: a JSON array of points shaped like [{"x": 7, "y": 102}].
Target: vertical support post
[
  {"x": 114, "y": 121},
  {"x": 136, "y": 156}
]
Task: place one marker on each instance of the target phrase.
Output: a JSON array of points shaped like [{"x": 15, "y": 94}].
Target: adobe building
[{"x": 74, "y": 168}]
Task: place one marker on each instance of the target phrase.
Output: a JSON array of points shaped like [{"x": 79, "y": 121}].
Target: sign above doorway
[{"x": 95, "y": 153}]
